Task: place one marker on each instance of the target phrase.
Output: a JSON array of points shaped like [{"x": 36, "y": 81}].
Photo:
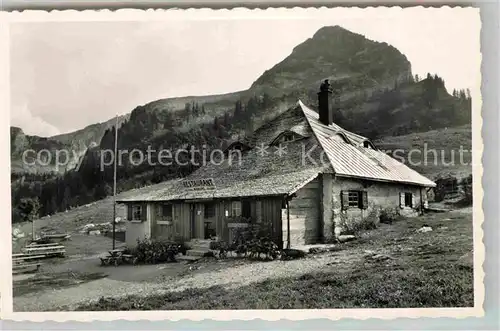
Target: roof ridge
[
  {"x": 302, "y": 106},
  {"x": 341, "y": 129}
]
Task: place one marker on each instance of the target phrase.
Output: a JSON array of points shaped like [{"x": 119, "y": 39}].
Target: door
[
  {"x": 196, "y": 224},
  {"x": 192, "y": 221}
]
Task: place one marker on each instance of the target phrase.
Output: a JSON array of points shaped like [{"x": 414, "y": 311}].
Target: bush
[
  {"x": 216, "y": 245},
  {"x": 445, "y": 185},
  {"x": 388, "y": 215},
  {"x": 152, "y": 252},
  {"x": 292, "y": 254},
  {"x": 466, "y": 186},
  {"x": 250, "y": 242},
  {"x": 354, "y": 225}
]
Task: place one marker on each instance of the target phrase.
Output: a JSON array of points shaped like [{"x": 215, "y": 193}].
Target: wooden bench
[
  {"x": 53, "y": 250},
  {"x": 20, "y": 268},
  {"x": 36, "y": 248},
  {"x": 34, "y": 245},
  {"x": 62, "y": 236},
  {"x": 27, "y": 257},
  {"x": 129, "y": 259}
]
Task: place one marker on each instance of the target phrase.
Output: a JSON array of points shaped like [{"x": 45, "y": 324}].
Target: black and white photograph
[{"x": 310, "y": 160}]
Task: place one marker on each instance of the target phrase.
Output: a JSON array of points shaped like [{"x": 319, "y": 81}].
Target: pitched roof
[
  {"x": 264, "y": 170},
  {"x": 261, "y": 171},
  {"x": 354, "y": 160}
]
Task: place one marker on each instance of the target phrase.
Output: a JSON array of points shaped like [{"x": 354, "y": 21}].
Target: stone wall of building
[{"x": 380, "y": 197}]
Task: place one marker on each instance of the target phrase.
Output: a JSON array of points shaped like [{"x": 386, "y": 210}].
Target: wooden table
[{"x": 115, "y": 257}]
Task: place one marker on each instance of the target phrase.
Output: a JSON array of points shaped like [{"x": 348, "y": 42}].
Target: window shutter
[
  {"x": 413, "y": 203},
  {"x": 129, "y": 212},
  {"x": 364, "y": 200},
  {"x": 144, "y": 212},
  {"x": 344, "y": 199},
  {"x": 401, "y": 199}
]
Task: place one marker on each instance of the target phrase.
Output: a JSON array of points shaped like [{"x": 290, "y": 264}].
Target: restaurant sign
[{"x": 199, "y": 184}]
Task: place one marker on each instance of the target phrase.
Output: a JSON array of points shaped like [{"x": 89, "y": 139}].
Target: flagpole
[{"x": 114, "y": 181}]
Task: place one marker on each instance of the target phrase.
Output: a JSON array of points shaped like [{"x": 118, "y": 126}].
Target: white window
[
  {"x": 168, "y": 211},
  {"x": 165, "y": 213},
  {"x": 285, "y": 138},
  {"x": 354, "y": 199},
  {"x": 288, "y": 137},
  {"x": 209, "y": 210},
  {"x": 236, "y": 208},
  {"x": 136, "y": 213},
  {"x": 406, "y": 199}
]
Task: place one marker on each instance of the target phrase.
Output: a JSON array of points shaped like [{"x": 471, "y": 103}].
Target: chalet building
[{"x": 300, "y": 175}]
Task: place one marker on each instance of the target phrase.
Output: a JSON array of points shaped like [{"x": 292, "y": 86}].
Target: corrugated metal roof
[{"x": 354, "y": 160}]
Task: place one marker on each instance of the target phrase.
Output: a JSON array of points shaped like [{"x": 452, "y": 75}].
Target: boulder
[
  {"x": 346, "y": 237},
  {"x": 424, "y": 229},
  {"x": 89, "y": 226},
  {"x": 95, "y": 233},
  {"x": 104, "y": 226},
  {"x": 316, "y": 250}
]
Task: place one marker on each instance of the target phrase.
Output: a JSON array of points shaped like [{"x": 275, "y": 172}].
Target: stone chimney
[{"x": 324, "y": 103}]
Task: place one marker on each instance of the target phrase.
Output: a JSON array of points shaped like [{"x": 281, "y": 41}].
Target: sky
[{"x": 65, "y": 75}]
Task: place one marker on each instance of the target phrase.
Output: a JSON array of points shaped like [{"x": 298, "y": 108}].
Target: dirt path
[
  {"x": 452, "y": 228},
  {"x": 231, "y": 276}
]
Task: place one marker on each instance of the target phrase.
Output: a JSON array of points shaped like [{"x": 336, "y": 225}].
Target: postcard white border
[{"x": 222, "y": 315}]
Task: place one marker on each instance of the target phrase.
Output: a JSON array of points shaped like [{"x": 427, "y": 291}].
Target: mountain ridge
[{"x": 365, "y": 73}]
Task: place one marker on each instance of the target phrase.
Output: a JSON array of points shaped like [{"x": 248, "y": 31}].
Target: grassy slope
[
  {"x": 422, "y": 270},
  {"x": 446, "y": 142},
  {"x": 71, "y": 221}
]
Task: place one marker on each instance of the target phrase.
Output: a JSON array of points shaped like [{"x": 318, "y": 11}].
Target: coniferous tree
[
  {"x": 238, "y": 110},
  {"x": 28, "y": 209},
  {"x": 226, "y": 120}
]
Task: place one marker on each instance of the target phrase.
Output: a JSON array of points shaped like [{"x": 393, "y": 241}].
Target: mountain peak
[
  {"x": 332, "y": 30},
  {"x": 335, "y": 52}
]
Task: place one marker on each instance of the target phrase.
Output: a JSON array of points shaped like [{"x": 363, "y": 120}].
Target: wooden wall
[
  {"x": 264, "y": 210},
  {"x": 271, "y": 215},
  {"x": 305, "y": 214},
  {"x": 180, "y": 224}
]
